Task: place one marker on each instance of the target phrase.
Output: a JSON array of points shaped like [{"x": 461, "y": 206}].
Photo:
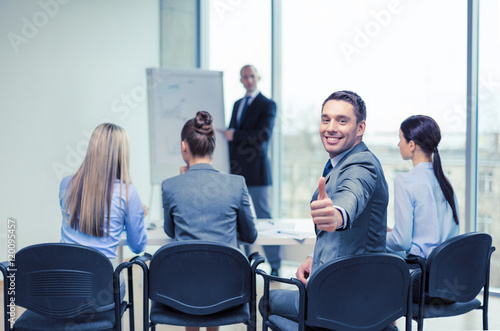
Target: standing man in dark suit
[
  {"x": 248, "y": 135},
  {"x": 349, "y": 208}
]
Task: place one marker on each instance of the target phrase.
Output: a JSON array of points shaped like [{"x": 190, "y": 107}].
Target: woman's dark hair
[
  {"x": 425, "y": 132},
  {"x": 199, "y": 134}
]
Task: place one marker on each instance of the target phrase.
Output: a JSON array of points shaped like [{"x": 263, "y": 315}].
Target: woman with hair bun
[
  {"x": 425, "y": 205},
  {"x": 202, "y": 203}
]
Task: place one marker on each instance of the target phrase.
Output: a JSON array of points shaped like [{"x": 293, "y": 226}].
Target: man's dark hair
[{"x": 352, "y": 98}]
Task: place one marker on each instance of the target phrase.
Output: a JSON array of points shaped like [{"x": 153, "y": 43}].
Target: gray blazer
[
  {"x": 206, "y": 204},
  {"x": 358, "y": 185}
]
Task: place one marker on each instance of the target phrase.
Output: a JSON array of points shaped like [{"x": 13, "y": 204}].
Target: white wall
[{"x": 65, "y": 67}]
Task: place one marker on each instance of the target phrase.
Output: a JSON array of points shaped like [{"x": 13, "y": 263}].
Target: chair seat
[
  {"x": 441, "y": 309},
  {"x": 277, "y": 323},
  {"x": 30, "y": 321},
  {"x": 282, "y": 323},
  {"x": 103, "y": 321},
  {"x": 161, "y": 314}
]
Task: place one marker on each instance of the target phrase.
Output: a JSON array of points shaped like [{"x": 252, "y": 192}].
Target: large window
[
  {"x": 488, "y": 163},
  {"x": 403, "y": 57},
  {"x": 383, "y": 51},
  {"x": 380, "y": 49},
  {"x": 239, "y": 33},
  {"x": 179, "y": 47}
]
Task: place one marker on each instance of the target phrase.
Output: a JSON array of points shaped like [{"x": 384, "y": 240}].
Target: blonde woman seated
[
  {"x": 425, "y": 205},
  {"x": 99, "y": 201}
]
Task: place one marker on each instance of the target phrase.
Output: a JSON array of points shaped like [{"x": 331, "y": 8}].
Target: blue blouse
[
  {"x": 423, "y": 218},
  {"x": 131, "y": 220}
]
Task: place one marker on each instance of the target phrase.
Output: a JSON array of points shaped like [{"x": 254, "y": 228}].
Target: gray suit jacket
[
  {"x": 206, "y": 204},
  {"x": 358, "y": 185}
]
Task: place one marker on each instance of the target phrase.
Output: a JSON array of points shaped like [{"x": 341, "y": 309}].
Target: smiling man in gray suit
[{"x": 349, "y": 208}]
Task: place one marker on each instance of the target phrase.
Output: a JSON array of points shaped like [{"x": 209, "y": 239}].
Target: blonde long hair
[{"x": 91, "y": 188}]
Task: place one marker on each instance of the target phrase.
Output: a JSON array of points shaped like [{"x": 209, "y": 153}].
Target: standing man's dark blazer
[{"x": 248, "y": 150}]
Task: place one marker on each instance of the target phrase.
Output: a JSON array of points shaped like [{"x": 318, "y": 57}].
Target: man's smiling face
[{"x": 338, "y": 130}]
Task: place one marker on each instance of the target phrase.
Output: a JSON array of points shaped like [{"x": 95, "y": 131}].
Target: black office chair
[
  {"x": 360, "y": 292},
  {"x": 455, "y": 273},
  {"x": 200, "y": 283},
  {"x": 64, "y": 287}
]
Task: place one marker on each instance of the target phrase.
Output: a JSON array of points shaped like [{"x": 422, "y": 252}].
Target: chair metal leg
[
  {"x": 485, "y": 311},
  {"x": 130, "y": 305},
  {"x": 421, "y": 299},
  {"x": 409, "y": 311},
  {"x": 265, "y": 313},
  {"x": 420, "y": 325},
  {"x": 486, "y": 293},
  {"x": 485, "y": 319}
]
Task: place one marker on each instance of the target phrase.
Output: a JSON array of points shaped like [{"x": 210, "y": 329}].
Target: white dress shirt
[{"x": 423, "y": 216}]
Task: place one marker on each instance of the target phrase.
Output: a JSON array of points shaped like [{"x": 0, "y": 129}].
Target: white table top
[
  {"x": 270, "y": 232},
  {"x": 285, "y": 232}
]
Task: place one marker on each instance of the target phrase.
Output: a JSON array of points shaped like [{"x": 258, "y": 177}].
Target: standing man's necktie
[
  {"x": 240, "y": 114},
  {"x": 328, "y": 167}
]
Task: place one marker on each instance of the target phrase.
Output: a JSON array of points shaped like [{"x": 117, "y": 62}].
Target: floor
[{"x": 470, "y": 321}]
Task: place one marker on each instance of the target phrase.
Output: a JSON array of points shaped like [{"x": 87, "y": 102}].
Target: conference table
[{"x": 283, "y": 231}]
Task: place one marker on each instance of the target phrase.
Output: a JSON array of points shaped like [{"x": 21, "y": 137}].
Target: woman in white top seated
[{"x": 425, "y": 205}]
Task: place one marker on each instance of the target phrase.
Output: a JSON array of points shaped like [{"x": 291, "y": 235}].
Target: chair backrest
[
  {"x": 63, "y": 280},
  {"x": 457, "y": 269},
  {"x": 362, "y": 292},
  {"x": 199, "y": 277}
]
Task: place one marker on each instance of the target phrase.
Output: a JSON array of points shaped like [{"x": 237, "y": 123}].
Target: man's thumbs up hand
[
  {"x": 324, "y": 214},
  {"x": 321, "y": 189}
]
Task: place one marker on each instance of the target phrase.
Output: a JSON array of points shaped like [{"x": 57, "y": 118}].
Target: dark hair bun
[{"x": 203, "y": 123}]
